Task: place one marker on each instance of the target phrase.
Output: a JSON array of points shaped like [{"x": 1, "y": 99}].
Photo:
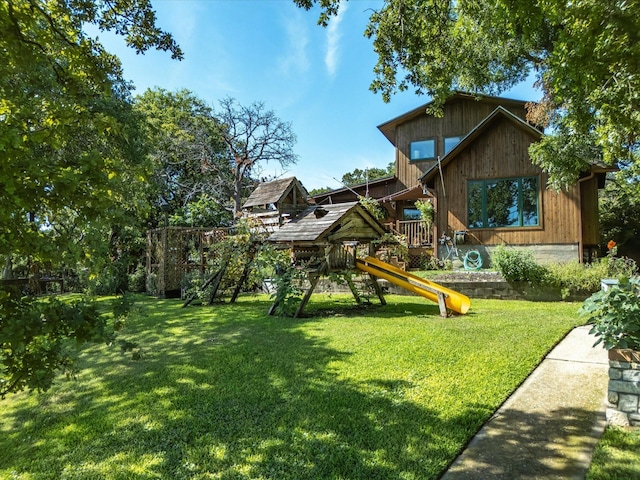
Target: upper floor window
[
  {"x": 450, "y": 143},
  {"x": 423, "y": 150},
  {"x": 508, "y": 202}
]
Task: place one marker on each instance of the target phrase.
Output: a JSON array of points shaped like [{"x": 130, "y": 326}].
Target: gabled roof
[
  {"x": 274, "y": 192},
  {"x": 388, "y": 128},
  {"x": 499, "y": 113},
  {"x": 324, "y": 223}
]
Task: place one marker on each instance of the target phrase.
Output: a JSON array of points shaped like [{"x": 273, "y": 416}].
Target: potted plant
[{"x": 615, "y": 317}]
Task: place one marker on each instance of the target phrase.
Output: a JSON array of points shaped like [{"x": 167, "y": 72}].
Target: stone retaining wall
[
  {"x": 498, "y": 289},
  {"x": 624, "y": 387}
]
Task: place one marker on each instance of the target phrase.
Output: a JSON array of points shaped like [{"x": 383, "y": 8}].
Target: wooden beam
[
  {"x": 313, "y": 280},
  {"x": 353, "y": 289},
  {"x": 377, "y": 289},
  {"x": 251, "y": 252}
]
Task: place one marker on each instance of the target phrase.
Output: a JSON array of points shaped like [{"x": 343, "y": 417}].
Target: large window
[
  {"x": 509, "y": 202},
  {"x": 423, "y": 150}
]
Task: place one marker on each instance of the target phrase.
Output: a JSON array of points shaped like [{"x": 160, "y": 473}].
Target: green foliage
[
  {"x": 618, "y": 206},
  {"x": 576, "y": 278},
  {"x": 615, "y": 315},
  {"x": 191, "y": 165},
  {"x": 373, "y": 206},
  {"x": 359, "y": 176},
  {"x": 425, "y": 207},
  {"x": 288, "y": 279},
  {"x": 138, "y": 280},
  {"x": 70, "y": 145},
  {"x": 37, "y": 339},
  {"x": 74, "y": 165},
  {"x": 517, "y": 265}
]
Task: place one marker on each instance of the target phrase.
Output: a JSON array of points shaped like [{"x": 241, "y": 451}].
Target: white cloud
[
  {"x": 295, "y": 58},
  {"x": 333, "y": 38}
]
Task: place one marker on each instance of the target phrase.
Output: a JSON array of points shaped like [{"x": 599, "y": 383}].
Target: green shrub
[
  {"x": 576, "y": 278},
  {"x": 137, "y": 280},
  {"x": 518, "y": 265},
  {"x": 615, "y": 314}
]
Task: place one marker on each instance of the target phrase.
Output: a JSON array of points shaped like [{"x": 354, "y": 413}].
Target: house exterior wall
[
  {"x": 460, "y": 116},
  {"x": 589, "y": 209},
  {"x": 502, "y": 152}
]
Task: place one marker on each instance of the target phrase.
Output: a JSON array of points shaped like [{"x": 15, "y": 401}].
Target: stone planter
[{"x": 624, "y": 387}]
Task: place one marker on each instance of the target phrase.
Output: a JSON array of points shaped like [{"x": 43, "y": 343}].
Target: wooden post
[
  {"x": 245, "y": 273},
  {"x": 378, "y": 289},
  {"x": 442, "y": 304},
  {"x": 313, "y": 279},
  {"x": 353, "y": 289}
]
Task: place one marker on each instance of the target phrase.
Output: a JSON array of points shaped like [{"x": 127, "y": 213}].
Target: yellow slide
[{"x": 455, "y": 301}]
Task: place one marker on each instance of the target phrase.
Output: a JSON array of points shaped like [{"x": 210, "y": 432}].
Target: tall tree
[
  {"x": 584, "y": 54},
  {"x": 253, "y": 136},
  {"x": 359, "y": 176},
  {"x": 191, "y": 169},
  {"x": 71, "y": 156}
]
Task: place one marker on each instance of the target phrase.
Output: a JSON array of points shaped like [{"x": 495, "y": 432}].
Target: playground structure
[
  {"x": 324, "y": 239},
  {"x": 321, "y": 240}
]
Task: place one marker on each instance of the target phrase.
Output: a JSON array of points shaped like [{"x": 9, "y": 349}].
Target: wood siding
[
  {"x": 502, "y": 152},
  {"x": 589, "y": 209},
  {"x": 460, "y": 117}
]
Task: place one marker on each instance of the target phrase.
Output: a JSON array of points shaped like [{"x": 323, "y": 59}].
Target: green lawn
[
  {"x": 617, "y": 456},
  {"x": 227, "y": 392}
]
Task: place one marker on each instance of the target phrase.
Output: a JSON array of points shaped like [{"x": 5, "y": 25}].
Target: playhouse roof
[
  {"x": 331, "y": 224},
  {"x": 275, "y": 191}
]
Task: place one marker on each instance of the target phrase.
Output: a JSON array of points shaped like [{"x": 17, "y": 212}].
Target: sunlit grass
[
  {"x": 229, "y": 392},
  {"x": 617, "y": 456}
]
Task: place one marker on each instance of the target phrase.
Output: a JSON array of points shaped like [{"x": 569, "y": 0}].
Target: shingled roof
[
  {"x": 330, "y": 223},
  {"x": 274, "y": 192}
]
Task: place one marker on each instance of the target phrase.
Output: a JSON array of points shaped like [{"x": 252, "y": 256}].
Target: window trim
[
  {"x": 421, "y": 159},
  {"x": 484, "y": 182}
]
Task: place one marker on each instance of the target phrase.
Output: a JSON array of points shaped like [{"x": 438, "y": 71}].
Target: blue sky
[{"x": 271, "y": 51}]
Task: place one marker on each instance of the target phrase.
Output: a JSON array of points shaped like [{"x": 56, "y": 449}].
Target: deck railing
[{"x": 418, "y": 234}]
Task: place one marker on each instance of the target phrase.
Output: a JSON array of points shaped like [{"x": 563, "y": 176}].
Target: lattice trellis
[{"x": 173, "y": 252}]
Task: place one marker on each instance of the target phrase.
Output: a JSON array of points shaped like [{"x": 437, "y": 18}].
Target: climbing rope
[{"x": 472, "y": 260}]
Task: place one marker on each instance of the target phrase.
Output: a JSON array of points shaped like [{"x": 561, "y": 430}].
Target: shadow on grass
[{"x": 228, "y": 392}]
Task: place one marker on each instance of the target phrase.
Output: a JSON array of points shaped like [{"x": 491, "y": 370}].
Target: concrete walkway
[{"x": 550, "y": 426}]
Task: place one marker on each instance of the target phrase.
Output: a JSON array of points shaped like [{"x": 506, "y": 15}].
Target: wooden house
[
  {"x": 472, "y": 162},
  {"x": 276, "y": 202}
]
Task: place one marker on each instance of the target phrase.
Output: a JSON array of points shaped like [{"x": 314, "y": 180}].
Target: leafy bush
[
  {"x": 137, "y": 280},
  {"x": 152, "y": 284},
  {"x": 425, "y": 207},
  {"x": 576, "y": 278},
  {"x": 517, "y": 265},
  {"x": 615, "y": 314}
]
